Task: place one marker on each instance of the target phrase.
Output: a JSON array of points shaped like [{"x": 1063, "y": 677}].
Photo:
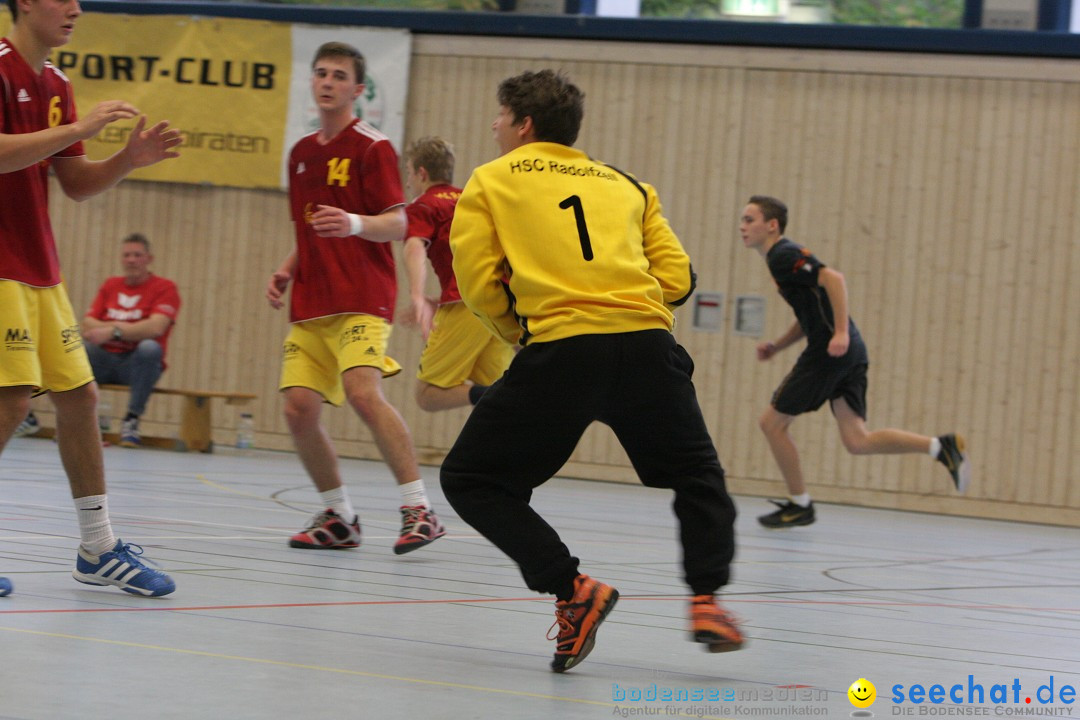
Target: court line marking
[
  {"x": 207, "y": 481},
  {"x": 466, "y": 601},
  {"x": 305, "y": 666}
]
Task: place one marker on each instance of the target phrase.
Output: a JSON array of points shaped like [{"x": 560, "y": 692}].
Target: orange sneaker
[
  {"x": 712, "y": 625},
  {"x": 578, "y": 620}
]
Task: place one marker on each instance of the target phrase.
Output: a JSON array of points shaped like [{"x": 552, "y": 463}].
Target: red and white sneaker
[
  {"x": 328, "y": 532},
  {"x": 420, "y": 526}
]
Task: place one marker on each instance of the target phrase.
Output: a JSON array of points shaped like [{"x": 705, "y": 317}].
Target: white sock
[
  {"x": 935, "y": 447},
  {"x": 801, "y": 500},
  {"x": 94, "y": 525},
  {"x": 338, "y": 501},
  {"x": 413, "y": 495}
]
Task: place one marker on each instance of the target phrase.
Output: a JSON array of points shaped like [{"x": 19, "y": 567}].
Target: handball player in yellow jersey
[{"x": 594, "y": 274}]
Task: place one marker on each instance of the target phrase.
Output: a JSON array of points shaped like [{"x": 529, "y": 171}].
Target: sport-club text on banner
[{"x": 238, "y": 90}]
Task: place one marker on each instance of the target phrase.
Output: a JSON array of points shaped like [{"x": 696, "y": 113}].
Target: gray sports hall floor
[{"x": 258, "y": 630}]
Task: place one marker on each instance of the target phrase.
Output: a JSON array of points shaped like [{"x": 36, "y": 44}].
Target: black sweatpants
[{"x": 529, "y": 422}]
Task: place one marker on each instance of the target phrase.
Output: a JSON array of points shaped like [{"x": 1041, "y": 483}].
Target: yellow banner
[{"x": 224, "y": 83}]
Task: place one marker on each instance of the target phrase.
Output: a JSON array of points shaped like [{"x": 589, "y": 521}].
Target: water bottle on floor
[
  {"x": 104, "y": 409},
  {"x": 245, "y": 432}
]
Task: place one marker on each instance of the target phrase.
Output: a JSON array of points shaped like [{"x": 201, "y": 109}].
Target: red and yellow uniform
[
  {"x": 344, "y": 289},
  {"x": 460, "y": 347},
  {"x": 42, "y": 347},
  {"x": 429, "y": 217}
]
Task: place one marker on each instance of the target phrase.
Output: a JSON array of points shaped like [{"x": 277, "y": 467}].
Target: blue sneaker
[
  {"x": 29, "y": 427},
  {"x": 129, "y": 433},
  {"x": 5, "y": 587},
  {"x": 122, "y": 567}
]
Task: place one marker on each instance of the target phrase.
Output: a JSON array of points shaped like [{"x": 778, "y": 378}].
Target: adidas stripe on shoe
[{"x": 122, "y": 567}]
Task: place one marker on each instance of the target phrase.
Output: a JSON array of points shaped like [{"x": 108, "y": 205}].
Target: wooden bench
[{"x": 195, "y": 422}]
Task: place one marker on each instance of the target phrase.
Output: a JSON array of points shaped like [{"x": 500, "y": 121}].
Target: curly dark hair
[{"x": 555, "y": 104}]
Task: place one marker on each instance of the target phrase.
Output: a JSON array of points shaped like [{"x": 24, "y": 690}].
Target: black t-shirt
[{"x": 795, "y": 270}]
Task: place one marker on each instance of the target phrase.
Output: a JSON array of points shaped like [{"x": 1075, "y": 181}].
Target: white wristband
[{"x": 356, "y": 224}]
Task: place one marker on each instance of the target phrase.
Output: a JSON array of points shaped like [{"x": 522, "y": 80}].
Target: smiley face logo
[{"x": 862, "y": 693}]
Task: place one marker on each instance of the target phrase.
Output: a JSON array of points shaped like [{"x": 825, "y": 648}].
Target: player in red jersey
[
  {"x": 347, "y": 207},
  {"x": 461, "y": 357},
  {"x": 42, "y": 350}
]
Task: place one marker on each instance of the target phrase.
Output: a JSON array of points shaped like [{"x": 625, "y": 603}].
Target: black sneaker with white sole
[
  {"x": 788, "y": 514},
  {"x": 955, "y": 461}
]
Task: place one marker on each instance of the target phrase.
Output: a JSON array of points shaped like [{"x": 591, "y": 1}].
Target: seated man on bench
[{"x": 127, "y": 328}]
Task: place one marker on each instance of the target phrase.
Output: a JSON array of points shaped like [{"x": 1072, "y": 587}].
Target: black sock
[
  {"x": 130, "y": 416},
  {"x": 476, "y": 392},
  {"x": 565, "y": 593}
]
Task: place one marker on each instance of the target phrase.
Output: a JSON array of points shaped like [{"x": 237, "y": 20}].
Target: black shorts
[{"x": 810, "y": 384}]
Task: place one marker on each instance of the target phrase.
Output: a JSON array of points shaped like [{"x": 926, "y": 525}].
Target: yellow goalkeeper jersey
[{"x": 586, "y": 248}]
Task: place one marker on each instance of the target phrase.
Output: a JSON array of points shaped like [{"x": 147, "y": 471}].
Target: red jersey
[
  {"x": 28, "y": 103},
  {"x": 430, "y": 216},
  {"x": 356, "y": 171},
  {"x": 116, "y": 300}
]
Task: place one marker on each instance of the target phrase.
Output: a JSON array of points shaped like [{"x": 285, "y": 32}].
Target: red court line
[
  {"x": 461, "y": 601},
  {"x": 270, "y": 606}
]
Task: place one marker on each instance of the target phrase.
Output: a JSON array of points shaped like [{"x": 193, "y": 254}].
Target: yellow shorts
[
  {"x": 317, "y": 352},
  {"x": 42, "y": 346},
  {"x": 461, "y": 348}
]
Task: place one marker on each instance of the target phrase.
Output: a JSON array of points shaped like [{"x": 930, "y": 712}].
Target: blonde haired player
[{"x": 461, "y": 357}]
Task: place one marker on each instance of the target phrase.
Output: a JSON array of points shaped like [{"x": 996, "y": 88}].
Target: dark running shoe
[
  {"x": 955, "y": 461},
  {"x": 578, "y": 619},
  {"x": 328, "y": 532},
  {"x": 788, "y": 515},
  {"x": 713, "y": 626}
]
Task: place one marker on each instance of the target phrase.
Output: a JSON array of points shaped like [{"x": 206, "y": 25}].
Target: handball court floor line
[{"x": 259, "y": 630}]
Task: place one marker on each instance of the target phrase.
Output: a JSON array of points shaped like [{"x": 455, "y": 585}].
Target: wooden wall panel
[{"x": 944, "y": 188}]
